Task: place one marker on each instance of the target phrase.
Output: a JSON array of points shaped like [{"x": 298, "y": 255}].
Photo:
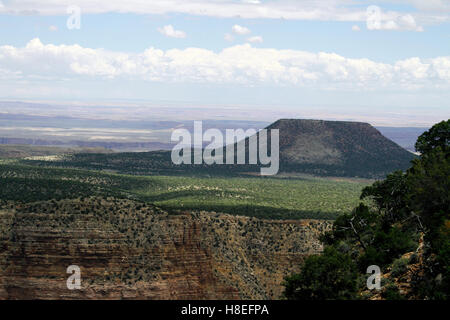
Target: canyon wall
[{"x": 131, "y": 250}]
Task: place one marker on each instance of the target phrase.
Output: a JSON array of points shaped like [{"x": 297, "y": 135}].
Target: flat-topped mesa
[{"x": 341, "y": 148}]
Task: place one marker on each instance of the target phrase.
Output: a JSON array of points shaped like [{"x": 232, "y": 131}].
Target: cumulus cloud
[
  {"x": 240, "y": 64},
  {"x": 377, "y": 19},
  {"x": 237, "y": 29},
  {"x": 169, "y": 31},
  {"x": 255, "y": 39}
]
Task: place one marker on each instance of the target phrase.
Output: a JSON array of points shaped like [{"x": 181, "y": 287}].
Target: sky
[{"x": 336, "y": 54}]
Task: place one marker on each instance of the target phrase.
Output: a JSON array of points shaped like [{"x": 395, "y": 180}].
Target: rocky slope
[{"x": 130, "y": 250}]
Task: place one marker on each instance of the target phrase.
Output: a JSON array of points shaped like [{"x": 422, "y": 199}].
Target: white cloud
[
  {"x": 169, "y": 31},
  {"x": 356, "y": 28},
  {"x": 427, "y": 5},
  {"x": 252, "y": 1},
  {"x": 240, "y": 64},
  {"x": 429, "y": 11},
  {"x": 228, "y": 37},
  {"x": 237, "y": 29},
  {"x": 255, "y": 39},
  {"x": 377, "y": 19}
]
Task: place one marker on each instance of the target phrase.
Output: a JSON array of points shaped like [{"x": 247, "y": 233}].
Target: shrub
[
  {"x": 332, "y": 275},
  {"x": 399, "y": 267},
  {"x": 391, "y": 292}
]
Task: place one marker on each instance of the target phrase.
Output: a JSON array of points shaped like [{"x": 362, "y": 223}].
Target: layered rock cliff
[{"x": 131, "y": 250}]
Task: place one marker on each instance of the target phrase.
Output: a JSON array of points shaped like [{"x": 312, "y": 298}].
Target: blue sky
[
  {"x": 286, "y": 53},
  {"x": 137, "y": 32}
]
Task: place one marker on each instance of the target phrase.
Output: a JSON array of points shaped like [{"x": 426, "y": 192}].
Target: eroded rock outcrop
[{"x": 131, "y": 250}]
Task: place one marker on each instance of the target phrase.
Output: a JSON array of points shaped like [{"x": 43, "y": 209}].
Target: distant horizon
[{"x": 422, "y": 118}]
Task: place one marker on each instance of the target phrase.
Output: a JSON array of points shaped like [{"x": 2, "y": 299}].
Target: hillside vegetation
[
  {"x": 337, "y": 148},
  {"x": 406, "y": 234}
]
